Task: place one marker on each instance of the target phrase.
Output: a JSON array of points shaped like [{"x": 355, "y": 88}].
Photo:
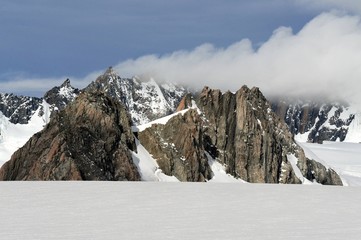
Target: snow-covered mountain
[
  {"x": 229, "y": 136},
  {"x": 21, "y": 116},
  {"x": 217, "y": 137},
  {"x": 145, "y": 100},
  {"x": 317, "y": 121},
  {"x": 18, "y": 109}
]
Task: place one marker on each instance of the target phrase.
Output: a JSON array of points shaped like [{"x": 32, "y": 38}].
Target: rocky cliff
[
  {"x": 238, "y": 130},
  {"x": 178, "y": 147},
  {"x": 90, "y": 139}
]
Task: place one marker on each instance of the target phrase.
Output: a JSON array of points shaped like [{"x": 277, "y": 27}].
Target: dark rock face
[
  {"x": 322, "y": 121},
  {"x": 146, "y": 101},
  {"x": 19, "y": 109},
  {"x": 240, "y": 131},
  {"x": 315, "y": 171},
  {"x": 59, "y": 97},
  {"x": 243, "y": 134},
  {"x": 89, "y": 140},
  {"x": 178, "y": 147}
]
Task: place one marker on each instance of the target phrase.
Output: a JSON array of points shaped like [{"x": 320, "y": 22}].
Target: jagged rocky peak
[
  {"x": 90, "y": 139},
  {"x": 58, "y": 97},
  {"x": 18, "y": 109},
  {"x": 240, "y": 131},
  {"x": 107, "y": 77},
  {"x": 315, "y": 120},
  {"x": 244, "y": 135},
  {"x": 145, "y": 99}
]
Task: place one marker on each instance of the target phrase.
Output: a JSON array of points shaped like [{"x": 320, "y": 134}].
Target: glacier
[{"x": 145, "y": 210}]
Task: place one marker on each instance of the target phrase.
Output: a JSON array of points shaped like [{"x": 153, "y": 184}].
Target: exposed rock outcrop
[
  {"x": 90, "y": 139},
  {"x": 59, "y": 97},
  {"x": 178, "y": 147},
  {"x": 240, "y": 131}
]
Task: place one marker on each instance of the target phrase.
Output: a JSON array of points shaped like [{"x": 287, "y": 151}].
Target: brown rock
[
  {"x": 178, "y": 147},
  {"x": 90, "y": 139},
  {"x": 242, "y": 132}
]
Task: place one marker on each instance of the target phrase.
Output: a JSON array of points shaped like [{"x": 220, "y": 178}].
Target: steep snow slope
[
  {"x": 344, "y": 158},
  {"x": 14, "y": 136},
  {"x": 118, "y": 210},
  {"x": 148, "y": 167}
]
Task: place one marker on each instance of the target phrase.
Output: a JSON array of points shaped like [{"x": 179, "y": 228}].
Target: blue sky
[{"x": 42, "y": 42}]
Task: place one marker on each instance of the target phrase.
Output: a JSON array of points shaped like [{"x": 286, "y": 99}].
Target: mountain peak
[
  {"x": 90, "y": 139},
  {"x": 109, "y": 71},
  {"x": 145, "y": 100},
  {"x": 58, "y": 97},
  {"x": 66, "y": 84}
]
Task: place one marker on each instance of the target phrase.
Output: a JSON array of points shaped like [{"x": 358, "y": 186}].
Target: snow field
[
  {"x": 145, "y": 210},
  {"x": 344, "y": 158},
  {"x": 14, "y": 136}
]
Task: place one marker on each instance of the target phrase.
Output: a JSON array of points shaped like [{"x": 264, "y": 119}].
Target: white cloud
[{"x": 323, "y": 58}]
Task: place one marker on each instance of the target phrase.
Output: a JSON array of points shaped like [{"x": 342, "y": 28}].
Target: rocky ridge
[
  {"x": 238, "y": 130},
  {"x": 145, "y": 100},
  {"x": 90, "y": 139},
  {"x": 18, "y": 109},
  {"x": 59, "y": 97},
  {"x": 314, "y": 121}
]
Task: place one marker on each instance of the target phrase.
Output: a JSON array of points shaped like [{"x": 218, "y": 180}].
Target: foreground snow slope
[{"x": 124, "y": 210}]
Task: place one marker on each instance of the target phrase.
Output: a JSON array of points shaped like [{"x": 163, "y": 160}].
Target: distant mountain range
[{"x": 130, "y": 129}]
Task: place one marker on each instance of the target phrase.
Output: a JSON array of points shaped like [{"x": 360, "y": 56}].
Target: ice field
[{"x": 145, "y": 210}]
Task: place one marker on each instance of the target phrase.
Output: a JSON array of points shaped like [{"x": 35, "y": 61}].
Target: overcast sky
[{"x": 278, "y": 45}]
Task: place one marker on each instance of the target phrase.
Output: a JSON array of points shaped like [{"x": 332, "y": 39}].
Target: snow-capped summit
[
  {"x": 18, "y": 109},
  {"x": 58, "y": 97},
  {"x": 145, "y": 100},
  {"x": 22, "y": 116}
]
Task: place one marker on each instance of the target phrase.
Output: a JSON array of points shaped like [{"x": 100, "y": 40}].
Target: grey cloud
[
  {"x": 322, "y": 59},
  {"x": 352, "y": 6}
]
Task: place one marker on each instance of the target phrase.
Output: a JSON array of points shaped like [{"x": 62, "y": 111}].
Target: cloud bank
[{"x": 323, "y": 58}]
